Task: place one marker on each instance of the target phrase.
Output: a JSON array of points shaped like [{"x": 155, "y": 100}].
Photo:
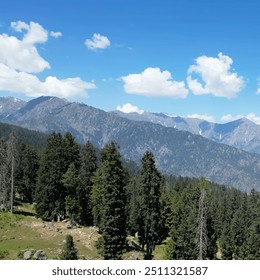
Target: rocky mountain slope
[
  {"x": 242, "y": 134},
  {"x": 177, "y": 152}
]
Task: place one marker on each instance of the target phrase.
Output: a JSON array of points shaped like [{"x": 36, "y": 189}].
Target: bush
[{"x": 4, "y": 254}]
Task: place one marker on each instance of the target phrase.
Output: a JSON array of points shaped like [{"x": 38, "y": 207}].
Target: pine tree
[
  {"x": 71, "y": 151},
  {"x": 88, "y": 167},
  {"x": 185, "y": 221},
  {"x": 5, "y": 181},
  {"x": 27, "y": 173},
  {"x": 71, "y": 183},
  {"x": 206, "y": 239},
  {"x": 50, "y": 192},
  {"x": 133, "y": 205},
  {"x": 231, "y": 204},
  {"x": 109, "y": 202},
  {"x": 240, "y": 225},
  {"x": 69, "y": 251},
  {"x": 150, "y": 218},
  {"x": 202, "y": 238},
  {"x": 253, "y": 241},
  {"x": 12, "y": 155}
]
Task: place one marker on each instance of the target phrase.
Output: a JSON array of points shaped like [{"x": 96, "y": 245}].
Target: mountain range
[
  {"x": 242, "y": 133},
  {"x": 177, "y": 152}
]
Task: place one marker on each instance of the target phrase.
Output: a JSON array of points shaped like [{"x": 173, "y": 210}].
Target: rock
[
  {"x": 72, "y": 224},
  {"x": 69, "y": 226},
  {"x": 27, "y": 255},
  {"x": 39, "y": 255},
  {"x": 50, "y": 225}
]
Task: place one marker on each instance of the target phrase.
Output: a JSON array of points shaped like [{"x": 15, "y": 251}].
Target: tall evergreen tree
[
  {"x": 133, "y": 205},
  {"x": 50, "y": 192},
  {"x": 253, "y": 241},
  {"x": 240, "y": 225},
  {"x": 12, "y": 156},
  {"x": 109, "y": 202},
  {"x": 88, "y": 167},
  {"x": 5, "y": 181},
  {"x": 71, "y": 151},
  {"x": 71, "y": 183},
  {"x": 185, "y": 222},
  {"x": 27, "y": 173},
  {"x": 149, "y": 218}
]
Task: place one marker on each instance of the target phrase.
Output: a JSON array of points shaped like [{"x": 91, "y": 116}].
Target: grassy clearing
[
  {"x": 23, "y": 231},
  {"x": 19, "y": 232}
]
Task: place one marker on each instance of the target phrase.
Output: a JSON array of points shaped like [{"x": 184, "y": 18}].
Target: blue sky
[{"x": 184, "y": 57}]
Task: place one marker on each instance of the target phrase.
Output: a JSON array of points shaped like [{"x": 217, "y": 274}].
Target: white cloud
[
  {"x": 129, "y": 108},
  {"x": 28, "y": 84},
  {"x": 19, "y": 59},
  {"x": 56, "y": 35},
  {"x": 35, "y": 33},
  {"x": 154, "y": 83},
  {"x": 19, "y": 26},
  {"x": 205, "y": 117},
  {"x": 251, "y": 116},
  {"x": 22, "y": 55},
  {"x": 230, "y": 118},
  {"x": 216, "y": 77},
  {"x": 98, "y": 41}
]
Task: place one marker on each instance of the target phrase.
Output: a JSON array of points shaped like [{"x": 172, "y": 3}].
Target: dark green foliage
[
  {"x": 166, "y": 213},
  {"x": 239, "y": 227},
  {"x": 109, "y": 200},
  {"x": 4, "y": 254},
  {"x": 5, "y": 178},
  {"x": 193, "y": 229},
  {"x": 25, "y": 136},
  {"x": 71, "y": 183},
  {"x": 133, "y": 205},
  {"x": 26, "y": 173},
  {"x": 170, "y": 250},
  {"x": 89, "y": 164},
  {"x": 50, "y": 192},
  {"x": 69, "y": 251},
  {"x": 149, "y": 224},
  {"x": 194, "y": 217},
  {"x": 185, "y": 223}
]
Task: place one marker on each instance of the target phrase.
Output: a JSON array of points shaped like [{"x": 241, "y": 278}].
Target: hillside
[
  {"x": 26, "y": 136},
  {"x": 242, "y": 133},
  {"x": 177, "y": 152},
  {"x": 23, "y": 232}
]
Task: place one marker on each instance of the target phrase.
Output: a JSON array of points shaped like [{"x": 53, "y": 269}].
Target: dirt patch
[{"x": 87, "y": 236}]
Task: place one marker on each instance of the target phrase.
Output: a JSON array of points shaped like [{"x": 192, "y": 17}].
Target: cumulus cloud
[
  {"x": 28, "y": 84},
  {"x": 205, "y": 117},
  {"x": 216, "y": 77},
  {"x": 129, "y": 108},
  {"x": 20, "y": 60},
  {"x": 98, "y": 41},
  {"x": 153, "y": 82},
  {"x": 22, "y": 54},
  {"x": 35, "y": 33},
  {"x": 251, "y": 116},
  {"x": 56, "y": 35}
]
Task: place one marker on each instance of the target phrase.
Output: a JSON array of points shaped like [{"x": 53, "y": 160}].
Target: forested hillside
[
  {"x": 193, "y": 218},
  {"x": 33, "y": 138},
  {"x": 179, "y": 153}
]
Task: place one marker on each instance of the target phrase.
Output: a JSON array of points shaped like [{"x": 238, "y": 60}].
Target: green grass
[
  {"x": 23, "y": 231},
  {"x": 19, "y": 232}
]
